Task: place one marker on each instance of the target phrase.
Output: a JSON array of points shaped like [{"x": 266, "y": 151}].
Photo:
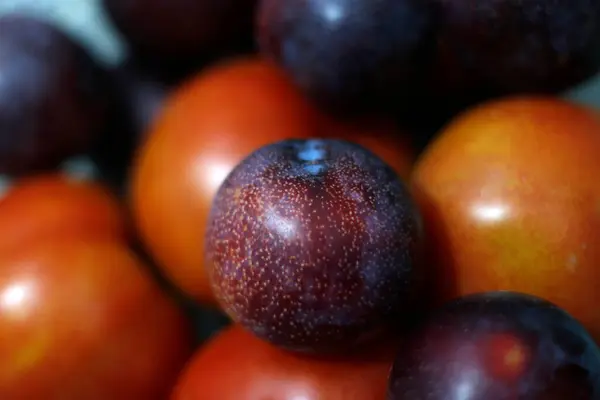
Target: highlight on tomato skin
[
  {"x": 209, "y": 125},
  {"x": 509, "y": 196},
  {"x": 235, "y": 365},
  {"x": 81, "y": 318}
]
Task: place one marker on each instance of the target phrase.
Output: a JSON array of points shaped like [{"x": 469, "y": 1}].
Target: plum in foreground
[{"x": 312, "y": 245}]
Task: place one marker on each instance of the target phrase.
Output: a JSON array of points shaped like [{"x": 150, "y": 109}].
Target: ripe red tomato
[
  {"x": 238, "y": 366},
  {"x": 53, "y": 204},
  {"x": 206, "y": 128},
  {"x": 511, "y": 201},
  {"x": 80, "y": 319}
]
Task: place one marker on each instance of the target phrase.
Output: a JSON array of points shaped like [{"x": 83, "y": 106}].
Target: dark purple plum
[
  {"x": 53, "y": 96},
  {"x": 501, "y": 47},
  {"x": 312, "y": 245},
  {"x": 497, "y": 346},
  {"x": 348, "y": 54},
  {"x": 441, "y": 56},
  {"x": 176, "y": 36}
]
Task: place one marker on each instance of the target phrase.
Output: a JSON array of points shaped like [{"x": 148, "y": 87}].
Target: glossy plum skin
[
  {"x": 206, "y": 127},
  {"x": 347, "y": 54},
  {"x": 497, "y": 346},
  {"x": 236, "y": 365},
  {"x": 509, "y": 196},
  {"x": 80, "y": 318},
  {"x": 53, "y": 100},
  {"x": 312, "y": 245},
  {"x": 181, "y": 34}
]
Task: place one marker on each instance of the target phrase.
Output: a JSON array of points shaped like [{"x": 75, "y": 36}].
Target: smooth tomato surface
[
  {"x": 52, "y": 204},
  {"x": 206, "y": 128},
  {"x": 236, "y": 365},
  {"x": 80, "y": 319},
  {"x": 511, "y": 201}
]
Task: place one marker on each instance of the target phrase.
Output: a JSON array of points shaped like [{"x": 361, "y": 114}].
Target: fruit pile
[{"x": 386, "y": 199}]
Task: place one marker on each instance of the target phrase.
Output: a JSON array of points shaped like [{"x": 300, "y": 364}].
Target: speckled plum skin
[
  {"x": 497, "y": 346},
  {"x": 312, "y": 245},
  {"x": 348, "y": 54}
]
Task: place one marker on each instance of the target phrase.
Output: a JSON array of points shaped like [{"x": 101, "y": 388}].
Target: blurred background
[{"x": 85, "y": 20}]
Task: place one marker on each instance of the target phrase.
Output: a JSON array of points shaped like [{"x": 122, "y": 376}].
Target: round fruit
[
  {"x": 509, "y": 194},
  {"x": 505, "y": 46},
  {"x": 348, "y": 54},
  {"x": 236, "y": 365},
  {"x": 80, "y": 319},
  {"x": 180, "y": 32},
  {"x": 311, "y": 245},
  {"x": 441, "y": 55},
  {"x": 53, "y": 102},
  {"x": 497, "y": 346},
  {"x": 44, "y": 206},
  {"x": 206, "y": 128}
]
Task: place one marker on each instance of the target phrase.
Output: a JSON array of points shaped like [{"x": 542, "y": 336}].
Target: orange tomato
[
  {"x": 510, "y": 197},
  {"x": 236, "y": 365},
  {"x": 206, "y": 128},
  {"x": 52, "y": 204},
  {"x": 81, "y": 319}
]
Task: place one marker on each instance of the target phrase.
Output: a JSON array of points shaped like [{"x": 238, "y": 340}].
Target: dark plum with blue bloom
[
  {"x": 497, "y": 346},
  {"x": 312, "y": 245},
  {"x": 348, "y": 54},
  {"x": 407, "y": 56}
]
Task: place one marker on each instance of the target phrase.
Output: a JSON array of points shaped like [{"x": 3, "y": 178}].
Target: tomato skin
[
  {"x": 235, "y": 365},
  {"x": 50, "y": 204},
  {"x": 81, "y": 319},
  {"x": 509, "y": 194},
  {"x": 205, "y": 129}
]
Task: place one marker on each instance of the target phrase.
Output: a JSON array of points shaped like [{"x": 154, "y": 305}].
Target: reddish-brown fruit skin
[
  {"x": 312, "y": 245},
  {"x": 80, "y": 319},
  {"x": 497, "y": 346},
  {"x": 206, "y": 128},
  {"x": 46, "y": 205},
  {"x": 509, "y": 195},
  {"x": 236, "y": 365}
]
